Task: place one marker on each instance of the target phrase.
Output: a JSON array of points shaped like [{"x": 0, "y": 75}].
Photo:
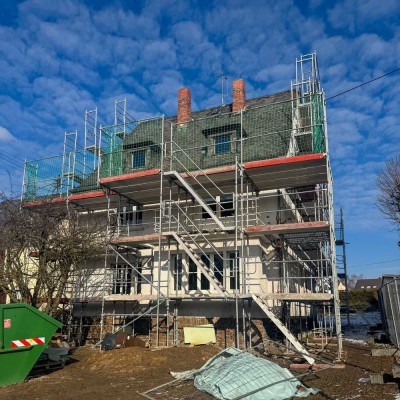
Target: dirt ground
[{"x": 124, "y": 373}]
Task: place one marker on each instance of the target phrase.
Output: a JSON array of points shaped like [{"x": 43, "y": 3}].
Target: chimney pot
[
  {"x": 239, "y": 95},
  {"x": 184, "y": 106}
]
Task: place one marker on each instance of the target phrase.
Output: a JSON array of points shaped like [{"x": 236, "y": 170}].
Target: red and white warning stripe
[{"x": 28, "y": 342}]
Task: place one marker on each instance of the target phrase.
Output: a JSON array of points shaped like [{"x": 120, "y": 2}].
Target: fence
[{"x": 389, "y": 302}]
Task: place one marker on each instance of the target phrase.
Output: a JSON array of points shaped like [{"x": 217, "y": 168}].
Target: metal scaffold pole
[
  {"x": 336, "y": 302},
  {"x": 104, "y": 286},
  {"x": 343, "y": 243},
  {"x": 163, "y": 154}
]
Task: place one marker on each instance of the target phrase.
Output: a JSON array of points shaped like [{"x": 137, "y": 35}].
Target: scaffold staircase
[
  {"x": 177, "y": 178},
  {"x": 187, "y": 237},
  {"x": 292, "y": 339}
]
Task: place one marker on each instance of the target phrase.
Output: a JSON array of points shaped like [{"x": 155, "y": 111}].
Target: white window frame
[{"x": 213, "y": 144}]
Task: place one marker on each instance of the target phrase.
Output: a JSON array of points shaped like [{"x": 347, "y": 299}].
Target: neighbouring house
[
  {"x": 221, "y": 216},
  {"x": 368, "y": 284}
]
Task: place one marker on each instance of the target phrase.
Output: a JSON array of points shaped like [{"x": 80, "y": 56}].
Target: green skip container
[{"x": 24, "y": 334}]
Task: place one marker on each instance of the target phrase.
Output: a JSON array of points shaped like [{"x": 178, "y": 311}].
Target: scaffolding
[{"x": 230, "y": 212}]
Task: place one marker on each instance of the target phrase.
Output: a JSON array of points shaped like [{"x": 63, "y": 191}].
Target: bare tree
[
  {"x": 352, "y": 280},
  {"x": 388, "y": 183},
  {"x": 43, "y": 248}
]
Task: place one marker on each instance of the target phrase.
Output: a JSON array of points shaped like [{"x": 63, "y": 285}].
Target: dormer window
[
  {"x": 222, "y": 143},
  {"x": 138, "y": 158}
]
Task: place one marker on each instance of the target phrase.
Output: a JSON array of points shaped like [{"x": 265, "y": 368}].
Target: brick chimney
[
  {"x": 239, "y": 95},
  {"x": 184, "y": 106}
]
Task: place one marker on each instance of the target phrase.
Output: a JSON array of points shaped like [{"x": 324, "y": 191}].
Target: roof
[
  {"x": 262, "y": 131},
  {"x": 263, "y": 116},
  {"x": 374, "y": 283}
]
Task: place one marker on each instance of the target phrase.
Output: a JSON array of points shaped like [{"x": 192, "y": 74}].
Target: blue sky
[{"x": 61, "y": 57}]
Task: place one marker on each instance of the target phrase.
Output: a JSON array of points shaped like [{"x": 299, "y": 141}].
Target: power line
[
  {"x": 13, "y": 159},
  {"x": 376, "y": 263},
  {"x": 363, "y": 84},
  {"x": 9, "y": 154},
  {"x": 10, "y": 161}
]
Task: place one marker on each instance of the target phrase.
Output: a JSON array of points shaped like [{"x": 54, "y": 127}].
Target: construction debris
[{"x": 383, "y": 351}]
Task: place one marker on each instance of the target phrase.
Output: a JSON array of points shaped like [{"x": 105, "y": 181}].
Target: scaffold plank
[{"x": 302, "y": 227}]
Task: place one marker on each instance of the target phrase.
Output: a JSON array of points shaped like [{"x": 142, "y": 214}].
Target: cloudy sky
[{"x": 59, "y": 58}]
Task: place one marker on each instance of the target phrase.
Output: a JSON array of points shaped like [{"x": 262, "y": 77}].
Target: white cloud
[
  {"x": 355, "y": 14},
  {"x": 5, "y": 135}
]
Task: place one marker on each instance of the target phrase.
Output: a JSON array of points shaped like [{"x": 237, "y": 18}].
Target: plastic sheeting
[{"x": 234, "y": 374}]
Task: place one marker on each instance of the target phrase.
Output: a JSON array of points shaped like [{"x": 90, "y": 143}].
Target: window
[
  {"x": 213, "y": 206},
  {"x": 197, "y": 280},
  {"x": 178, "y": 272},
  {"x": 139, "y": 159},
  {"x": 223, "y": 206},
  {"x": 126, "y": 216},
  {"x": 226, "y": 206},
  {"x": 139, "y": 278},
  {"x": 219, "y": 267},
  {"x": 139, "y": 217},
  {"x": 130, "y": 216},
  {"x": 223, "y": 143},
  {"x": 204, "y": 282},
  {"x": 218, "y": 261},
  {"x": 122, "y": 279},
  {"x": 192, "y": 275}
]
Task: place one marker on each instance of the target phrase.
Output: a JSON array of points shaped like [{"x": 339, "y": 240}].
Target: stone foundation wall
[{"x": 225, "y": 330}]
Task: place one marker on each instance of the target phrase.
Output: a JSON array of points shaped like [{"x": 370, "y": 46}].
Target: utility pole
[{"x": 342, "y": 242}]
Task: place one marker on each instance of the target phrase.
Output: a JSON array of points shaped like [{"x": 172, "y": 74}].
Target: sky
[{"x": 59, "y": 58}]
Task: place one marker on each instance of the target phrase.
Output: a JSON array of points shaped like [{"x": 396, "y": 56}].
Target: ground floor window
[
  {"x": 225, "y": 266},
  {"x": 204, "y": 282},
  {"x": 214, "y": 260},
  {"x": 219, "y": 267},
  {"x": 177, "y": 272},
  {"x": 122, "y": 282},
  {"x": 192, "y": 275}
]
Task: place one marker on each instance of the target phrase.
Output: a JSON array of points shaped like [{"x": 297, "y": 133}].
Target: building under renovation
[{"x": 221, "y": 216}]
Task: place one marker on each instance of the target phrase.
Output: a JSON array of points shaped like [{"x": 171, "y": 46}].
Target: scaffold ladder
[{"x": 292, "y": 339}]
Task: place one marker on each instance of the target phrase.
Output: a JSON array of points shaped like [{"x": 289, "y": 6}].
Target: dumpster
[{"x": 24, "y": 334}]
